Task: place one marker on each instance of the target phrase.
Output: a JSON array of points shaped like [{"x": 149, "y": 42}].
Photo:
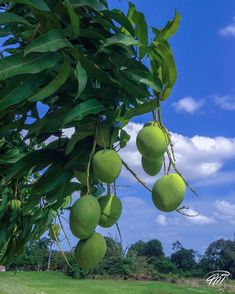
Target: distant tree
[
  {"x": 176, "y": 246},
  {"x": 152, "y": 249},
  {"x": 221, "y": 255},
  {"x": 184, "y": 259}
]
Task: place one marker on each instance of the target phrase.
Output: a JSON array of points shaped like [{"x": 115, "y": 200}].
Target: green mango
[
  {"x": 111, "y": 209},
  {"x": 152, "y": 167},
  {"x": 54, "y": 232},
  {"x": 168, "y": 192},
  {"x": 90, "y": 252},
  {"x": 14, "y": 205},
  {"x": 84, "y": 216},
  {"x": 151, "y": 142},
  {"x": 106, "y": 136},
  {"x": 107, "y": 165}
]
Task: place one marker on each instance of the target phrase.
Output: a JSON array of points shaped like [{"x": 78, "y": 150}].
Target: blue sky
[{"x": 200, "y": 116}]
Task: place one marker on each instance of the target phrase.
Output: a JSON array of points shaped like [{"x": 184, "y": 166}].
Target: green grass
[{"x": 58, "y": 283}]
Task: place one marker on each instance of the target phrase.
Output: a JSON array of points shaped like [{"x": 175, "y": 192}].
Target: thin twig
[
  {"x": 186, "y": 214},
  {"x": 89, "y": 165},
  {"x": 135, "y": 175},
  {"x": 119, "y": 232},
  {"x": 62, "y": 252},
  {"x": 62, "y": 227}
]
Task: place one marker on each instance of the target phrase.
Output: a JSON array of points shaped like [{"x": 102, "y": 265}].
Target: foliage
[{"x": 84, "y": 65}]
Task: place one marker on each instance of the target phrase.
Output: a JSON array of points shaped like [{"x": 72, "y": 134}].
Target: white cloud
[
  {"x": 188, "y": 104},
  {"x": 199, "y": 158},
  {"x": 226, "y": 102},
  {"x": 161, "y": 220},
  {"x": 225, "y": 211},
  {"x": 199, "y": 219},
  {"x": 229, "y": 30}
]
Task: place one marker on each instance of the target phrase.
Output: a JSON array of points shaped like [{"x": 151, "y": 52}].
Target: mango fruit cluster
[{"x": 169, "y": 190}]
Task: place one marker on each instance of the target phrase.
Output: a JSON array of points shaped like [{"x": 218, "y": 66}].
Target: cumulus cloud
[
  {"x": 228, "y": 30},
  {"x": 199, "y": 219},
  {"x": 199, "y": 158},
  {"x": 188, "y": 104},
  {"x": 225, "y": 211},
  {"x": 226, "y": 102},
  {"x": 161, "y": 220}
]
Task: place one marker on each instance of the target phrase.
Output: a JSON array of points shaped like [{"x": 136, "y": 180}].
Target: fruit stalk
[{"x": 135, "y": 175}]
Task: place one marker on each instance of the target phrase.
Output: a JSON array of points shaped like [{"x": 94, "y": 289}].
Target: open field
[{"x": 58, "y": 283}]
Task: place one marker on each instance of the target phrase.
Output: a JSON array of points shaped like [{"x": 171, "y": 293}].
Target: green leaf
[
  {"x": 147, "y": 79},
  {"x": 17, "y": 64},
  {"x": 120, "y": 40},
  {"x": 10, "y": 156},
  {"x": 11, "y": 18},
  {"x": 51, "y": 179},
  {"x": 76, "y": 138},
  {"x": 94, "y": 4},
  {"x": 74, "y": 19},
  {"x": 55, "y": 84},
  {"x": 119, "y": 17},
  {"x": 141, "y": 32},
  {"x": 50, "y": 42},
  {"x": 16, "y": 92},
  {"x": 171, "y": 27},
  {"x": 92, "y": 106},
  {"x": 38, "y": 4},
  {"x": 81, "y": 77},
  {"x": 143, "y": 108},
  {"x": 35, "y": 159}
]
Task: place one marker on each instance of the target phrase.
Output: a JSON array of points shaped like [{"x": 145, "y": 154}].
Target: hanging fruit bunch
[{"x": 78, "y": 64}]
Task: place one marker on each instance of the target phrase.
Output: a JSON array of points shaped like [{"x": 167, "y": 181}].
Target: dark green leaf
[
  {"x": 38, "y": 4},
  {"x": 11, "y": 18},
  {"x": 50, "y": 42},
  {"x": 141, "y": 32},
  {"x": 94, "y": 4},
  {"x": 74, "y": 19},
  {"x": 81, "y": 77},
  {"x": 143, "y": 108},
  {"x": 55, "y": 84},
  {"x": 16, "y": 92},
  {"x": 121, "y": 40},
  {"x": 17, "y": 64},
  {"x": 76, "y": 138},
  {"x": 92, "y": 106},
  {"x": 10, "y": 156}
]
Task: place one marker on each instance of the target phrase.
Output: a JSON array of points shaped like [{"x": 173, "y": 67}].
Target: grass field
[{"x": 58, "y": 283}]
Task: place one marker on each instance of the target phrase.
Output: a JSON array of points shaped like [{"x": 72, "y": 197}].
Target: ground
[{"x": 58, "y": 283}]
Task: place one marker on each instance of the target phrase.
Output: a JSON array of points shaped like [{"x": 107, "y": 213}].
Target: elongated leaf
[
  {"x": 81, "y": 77},
  {"x": 17, "y": 64},
  {"x": 119, "y": 17},
  {"x": 10, "y": 156},
  {"x": 15, "y": 92},
  {"x": 143, "y": 108},
  {"x": 55, "y": 84},
  {"x": 11, "y": 18},
  {"x": 94, "y": 4},
  {"x": 121, "y": 39},
  {"x": 74, "y": 19},
  {"x": 147, "y": 79},
  {"x": 171, "y": 27},
  {"x": 38, "y": 4},
  {"x": 141, "y": 32},
  {"x": 37, "y": 159},
  {"x": 50, "y": 42},
  {"x": 92, "y": 106}
]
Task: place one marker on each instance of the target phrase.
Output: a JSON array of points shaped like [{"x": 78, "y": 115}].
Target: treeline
[{"x": 142, "y": 260}]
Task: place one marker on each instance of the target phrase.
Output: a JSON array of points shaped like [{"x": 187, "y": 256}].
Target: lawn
[{"x": 58, "y": 283}]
